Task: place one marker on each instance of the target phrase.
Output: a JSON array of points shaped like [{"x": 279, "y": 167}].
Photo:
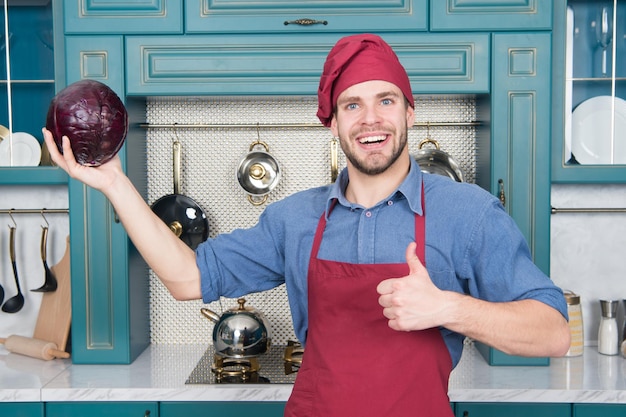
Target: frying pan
[{"x": 181, "y": 213}]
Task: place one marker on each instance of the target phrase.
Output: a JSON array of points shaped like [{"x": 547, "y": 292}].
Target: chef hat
[{"x": 355, "y": 59}]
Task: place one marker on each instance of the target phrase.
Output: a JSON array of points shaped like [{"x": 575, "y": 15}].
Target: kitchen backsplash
[{"x": 210, "y": 159}]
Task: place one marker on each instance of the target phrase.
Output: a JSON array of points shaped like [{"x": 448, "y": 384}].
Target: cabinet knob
[{"x": 501, "y": 195}]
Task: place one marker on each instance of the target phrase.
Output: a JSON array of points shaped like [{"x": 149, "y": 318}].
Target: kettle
[{"x": 241, "y": 332}]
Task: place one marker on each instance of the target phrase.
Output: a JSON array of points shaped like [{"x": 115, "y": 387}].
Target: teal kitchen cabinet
[
  {"x": 32, "y": 42},
  {"x": 599, "y": 410},
  {"x": 303, "y": 16},
  {"x": 102, "y": 409},
  {"x": 512, "y": 410},
  {"x": 496, "y": 15},
  {"x": 107, "y": 271},
  {"x": 520, "y": 134},
  {"x": 21, "y": 409},
  {"x": 130, "y": 16},
  {"x": 225, "y": 409},
  {"x": 585, "y": 79},
  {"x": 277, "y": 65}
]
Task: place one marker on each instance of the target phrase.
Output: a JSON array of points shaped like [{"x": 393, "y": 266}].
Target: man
[{"x": 387, "y": 270}]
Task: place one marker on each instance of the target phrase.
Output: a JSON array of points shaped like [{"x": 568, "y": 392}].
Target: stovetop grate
[{"x": 272, "y": 369}]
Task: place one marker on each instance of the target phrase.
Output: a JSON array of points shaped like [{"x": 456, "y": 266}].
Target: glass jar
[{"x": 575, "y": 324}]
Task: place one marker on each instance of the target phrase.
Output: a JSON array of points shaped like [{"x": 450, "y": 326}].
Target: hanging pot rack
[
  {"x": 35, "y": 211},
  {"x": 277, "y": 125},
  {"x": 555, "y": 210}
]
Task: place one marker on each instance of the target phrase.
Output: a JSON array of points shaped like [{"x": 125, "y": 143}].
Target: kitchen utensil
[
  {"x": 334, "y": 159},
  {"x": 258, "y": 173},
  {"x": 50, "y": 281},
  {"x": 55, "y": 311},
  {"x": 597, "y": 134},
  {"x": 15, "y": 303},
  {"x": 182, "y": 214},
  {"x": 32, "y": 347},
  {"x": 241, "y": 332},
  {"x": 436, "y": 161}
]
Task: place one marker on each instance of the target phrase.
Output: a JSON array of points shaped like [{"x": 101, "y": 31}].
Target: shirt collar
[{"x": 410, "y": 188}]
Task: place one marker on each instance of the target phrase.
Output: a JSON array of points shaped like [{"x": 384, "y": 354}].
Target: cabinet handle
[
  {"x": 465, "y": 413},
  {"x": 147, "y": 413},
  {"x": 501, "y": 192},
  {"x": 306, "y": 22}
]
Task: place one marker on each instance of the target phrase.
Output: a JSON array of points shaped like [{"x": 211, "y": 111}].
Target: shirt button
[
  {"x": 390, "y": 203},
  {"x": 368, "y": 214}
]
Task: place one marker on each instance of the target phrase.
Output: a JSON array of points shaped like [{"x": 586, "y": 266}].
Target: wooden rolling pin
[{"x": 35, "y": 348}]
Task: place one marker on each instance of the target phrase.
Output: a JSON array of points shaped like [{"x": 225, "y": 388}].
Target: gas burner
[
  {"x": 235, "y": 369},
  {"x": 293, "y": 356}
]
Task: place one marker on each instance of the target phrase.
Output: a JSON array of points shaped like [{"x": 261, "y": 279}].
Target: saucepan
[
  {"x": 258, "y": 173},
  {"x": 436, "y": 161},
  {"x": 241, "y": 332},
  {"x": 184, "y": 216}
]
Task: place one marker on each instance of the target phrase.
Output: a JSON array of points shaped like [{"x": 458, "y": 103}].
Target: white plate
[
  {"x": 25, "y": 148},
  {"x": 592, "y": 136}
]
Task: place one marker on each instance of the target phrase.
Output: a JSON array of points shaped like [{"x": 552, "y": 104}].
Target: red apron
[{"x": 353, "y": 363}]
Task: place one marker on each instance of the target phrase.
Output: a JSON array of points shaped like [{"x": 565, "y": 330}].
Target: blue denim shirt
[{"x": 472, "y": 245}]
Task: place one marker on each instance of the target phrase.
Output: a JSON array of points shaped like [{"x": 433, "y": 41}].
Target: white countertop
[{"x": 160, "y": 372}]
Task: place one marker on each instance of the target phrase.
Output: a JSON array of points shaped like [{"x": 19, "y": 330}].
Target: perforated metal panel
[{"x": 210, "y": 157}]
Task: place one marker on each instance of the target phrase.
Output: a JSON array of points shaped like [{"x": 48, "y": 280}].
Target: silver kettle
[{"x": 241, "y": 332}]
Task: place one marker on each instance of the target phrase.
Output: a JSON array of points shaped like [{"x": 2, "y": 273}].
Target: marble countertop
[{"x": 160, "y": 372}]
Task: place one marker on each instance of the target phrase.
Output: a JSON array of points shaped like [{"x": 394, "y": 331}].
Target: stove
[{"x": 279, "y": 365}]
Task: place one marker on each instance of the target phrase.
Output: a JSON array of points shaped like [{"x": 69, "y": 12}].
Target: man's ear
[
  {"x": 410, "y": 115},
  {"x": 333, "y": 125}
]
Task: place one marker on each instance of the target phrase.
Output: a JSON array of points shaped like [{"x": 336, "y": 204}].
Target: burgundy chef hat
[{"x": 355, "y": 59}]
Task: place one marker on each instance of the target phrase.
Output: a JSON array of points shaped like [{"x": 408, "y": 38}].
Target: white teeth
[{"x": 372, "y": 139}]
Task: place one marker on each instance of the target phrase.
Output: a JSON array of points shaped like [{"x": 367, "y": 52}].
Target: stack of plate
[
  {"x": 598, "y": 131},
  {"x": 18, "y": 149}
]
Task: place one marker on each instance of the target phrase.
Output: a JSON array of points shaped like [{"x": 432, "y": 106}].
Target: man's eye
[
  {"x": 387, "y": 101},
  {"x": 352, "y": 106}
]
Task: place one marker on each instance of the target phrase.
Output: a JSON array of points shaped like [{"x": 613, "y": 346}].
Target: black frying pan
[{"x": 181, "y": 213}]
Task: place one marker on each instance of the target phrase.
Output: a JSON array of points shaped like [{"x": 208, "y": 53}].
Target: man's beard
[{"x": 363, "y": 167}]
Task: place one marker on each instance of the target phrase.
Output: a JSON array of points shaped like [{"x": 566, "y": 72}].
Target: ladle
[
  {"x": 15, "y": 303},
  {"x": 50, "y": 281}
]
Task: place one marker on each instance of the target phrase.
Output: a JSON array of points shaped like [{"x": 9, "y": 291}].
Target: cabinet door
[
  {"x": 512, "y": 410},
  {"x": 520, "y": 135},
  {"x": 491, "y": 15},
  {"x": 291, "y": 65},
  {"x": 129, "y": 16},
  {"x": 106, "y": 327},
  {"x": 599, "y": 410},
  {"x": 21, "y": 409},
  {"x": 102, "y": 409},
  {"x": 273, "y": 16},
  {"x": 579, "y": 75},
  {"x": 225, "y": 409}
]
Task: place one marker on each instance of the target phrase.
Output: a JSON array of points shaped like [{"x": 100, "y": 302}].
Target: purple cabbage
[{"x": 93, "y": 117}]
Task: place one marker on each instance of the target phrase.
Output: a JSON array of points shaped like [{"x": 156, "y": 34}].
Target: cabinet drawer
[
  {"x": 275, "y": 16},
  {"x": 117, "y": 17},
  {"x": 102, "y": 409},
  {"x": 490, "y": 15},
  {"x": 291, "y": 65}
]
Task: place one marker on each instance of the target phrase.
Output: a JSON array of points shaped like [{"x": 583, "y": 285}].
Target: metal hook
[
  {"x": 44, "y": 218},
  {"x": 12, "y": 219},
  {"x": 175, "y": 131},
  {"x": 258, "y": 133}
]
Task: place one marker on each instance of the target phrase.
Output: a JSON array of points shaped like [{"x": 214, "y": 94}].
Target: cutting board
[{"x": 55, "y": 313}]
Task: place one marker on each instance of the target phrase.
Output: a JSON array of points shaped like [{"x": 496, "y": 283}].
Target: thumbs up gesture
[{"x": 412, "y": 302}]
